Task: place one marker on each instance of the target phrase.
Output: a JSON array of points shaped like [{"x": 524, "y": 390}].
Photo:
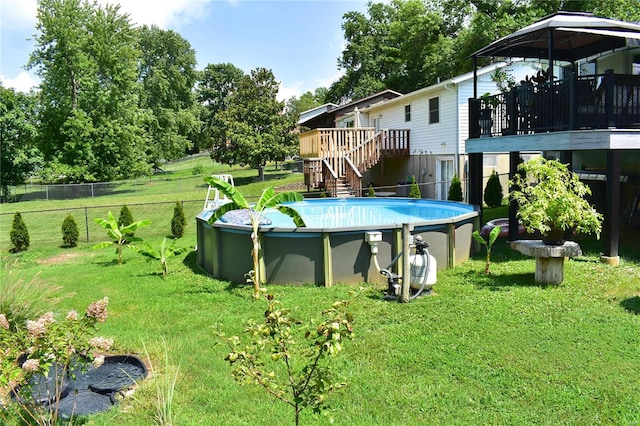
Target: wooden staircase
[{"x": 334, "y": 159}]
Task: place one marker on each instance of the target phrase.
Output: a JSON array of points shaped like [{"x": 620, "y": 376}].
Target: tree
[
  {"x": 215, "y": 87},
  {"x": 90, "y": 122},
  {"x": 168, "y": 76},
  {"x": 19, "y": 155},
  {"x": 455, "y": 189},
  {"x": 268, "y": 199},
  {"x": 19, "y": 234},
  {"x": 255, "y": 128},
  {"x": 493, "y": 191},
  {"x": 307, "y": 100},
  {"x": 390, "y": 48},
  {"x": 290, "y": 358}
]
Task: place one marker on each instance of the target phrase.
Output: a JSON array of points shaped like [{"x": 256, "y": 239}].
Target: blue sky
[{"x": 299, "y": 40}]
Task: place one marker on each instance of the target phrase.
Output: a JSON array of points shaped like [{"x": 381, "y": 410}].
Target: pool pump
[{"x": 422, "y": 268}]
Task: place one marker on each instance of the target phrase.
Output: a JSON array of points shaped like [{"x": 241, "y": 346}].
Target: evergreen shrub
[
  {"x": 19, "y": 234},
  {"x": 70, "y": 232},
  {"x": 455, "y": 190},
  {"x": 493, "y": 191},
  {"x": 178, "y": 222}
]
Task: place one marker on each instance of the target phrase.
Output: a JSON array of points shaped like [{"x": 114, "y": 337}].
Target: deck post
[{"x": 611, "y": 225}]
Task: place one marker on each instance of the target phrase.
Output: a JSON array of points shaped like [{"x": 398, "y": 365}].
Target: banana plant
[
  {"x": 269, "y": 199},
  {"x": 162, "y": 253},
  {"x": 492, "y": 237},
  {"x": 120, "y": 235}
]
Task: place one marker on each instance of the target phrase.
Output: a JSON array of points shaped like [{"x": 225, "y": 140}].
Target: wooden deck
[{"x": 343, "y": 154}]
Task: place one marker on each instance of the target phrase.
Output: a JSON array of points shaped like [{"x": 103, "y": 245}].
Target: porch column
[
  {"x": 611, "y": 225},
  {"x": 475, "y": 180},
  {"x": 514, "y": 160}
]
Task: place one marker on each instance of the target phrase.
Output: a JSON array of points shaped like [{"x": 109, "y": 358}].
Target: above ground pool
[{"x": 332, "y": 247}]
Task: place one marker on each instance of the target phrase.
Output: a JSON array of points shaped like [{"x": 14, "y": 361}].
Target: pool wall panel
[{"x": 294, "y": 259}]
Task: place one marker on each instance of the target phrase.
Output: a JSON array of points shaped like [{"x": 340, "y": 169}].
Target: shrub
[
  {"x": 43, "y": 345},
  {"x": 19, "y": 234},
  {"x": 414, "y": 192},
  {"x": 178, "y": 222},
  {"x": 372, "y": 192},
  {"x": 70, "y": 232},
  {"x": 197, "y": 170},
  {"x": 455, "y": 190},
  {"x": 303, "y": 349},
  {"x": 125, "y": 218},
  {"x": 493, "y": 191}
]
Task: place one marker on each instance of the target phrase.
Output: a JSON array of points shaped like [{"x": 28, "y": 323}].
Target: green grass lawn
[
  {"x": 497, "y": 349},
  {"x": 486, "y": 349}
]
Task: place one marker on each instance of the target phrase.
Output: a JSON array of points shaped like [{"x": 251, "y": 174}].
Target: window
[
  {"x": 407, "y": 113},
  {"x": 434, "y": 110}
]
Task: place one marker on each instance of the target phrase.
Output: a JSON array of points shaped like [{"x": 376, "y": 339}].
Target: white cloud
[
  {"x": 286, "y": 92},
  {"x": 163, "y": 13},
  {"x": 18, "y": 14},
  {"x": 23, "y": 82}
]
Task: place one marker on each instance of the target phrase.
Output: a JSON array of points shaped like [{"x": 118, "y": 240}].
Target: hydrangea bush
[{"x": 33, "y": 348}]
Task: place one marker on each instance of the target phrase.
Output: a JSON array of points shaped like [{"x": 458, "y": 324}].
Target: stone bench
[{"x": 549, "y": 259}]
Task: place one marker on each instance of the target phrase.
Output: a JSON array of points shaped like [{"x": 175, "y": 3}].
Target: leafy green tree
[
  {"x": 168, "y": 76},
  {"x": 493, "y": 191},
  {"x": 70, "y": 232},
  {"x": 90, "y": 121},
  {"x": 216, "y": 85},
  {"x": 178, "y": 221},
  {"x": 455, "y": 189},
  {"x": 255, "y": 128},
  {"x": 390, "y": 48},
  {"x": 268, "y": 199},
  {"x": 120, "y": 235},
  {"x": 307, "y": 100},
  {"x": 162, "y": 253},
  {"x": 19, "y": 234},
  {"x": 19, "y": 156},
  {"x": 289, "y": 358}
]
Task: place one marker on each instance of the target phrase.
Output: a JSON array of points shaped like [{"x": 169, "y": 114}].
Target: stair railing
[
  {"x": 353, "y": 177},
  {"x": 330, "y": 179},
  {"x": 365, "y": 155}
]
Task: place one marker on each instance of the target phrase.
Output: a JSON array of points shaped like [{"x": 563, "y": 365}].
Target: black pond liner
[{"x": 88, "y": 389}]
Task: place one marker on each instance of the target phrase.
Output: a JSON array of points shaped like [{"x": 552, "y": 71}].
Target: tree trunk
[{"x": 261, "y": 173}]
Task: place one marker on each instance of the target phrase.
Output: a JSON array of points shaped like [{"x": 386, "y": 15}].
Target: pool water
[{"x": 328, "y": 213}]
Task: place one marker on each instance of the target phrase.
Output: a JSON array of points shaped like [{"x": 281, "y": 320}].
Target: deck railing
[
  {"x": 363, "y": 147},
  {"x": 585, "y": 102}
]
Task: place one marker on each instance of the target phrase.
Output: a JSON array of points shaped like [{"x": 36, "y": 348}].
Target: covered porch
[{"x": 567, "y": 116}]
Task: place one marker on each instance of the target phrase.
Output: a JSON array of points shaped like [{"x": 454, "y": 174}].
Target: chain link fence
[{"x": 45, "y": 226}]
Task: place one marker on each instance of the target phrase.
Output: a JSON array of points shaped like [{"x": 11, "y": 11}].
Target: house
[
  {"x": 391, "y": 138},
  {"x": 585, "y": 111},
  {"x": 437, "y": 118},
  {"x": 331, "y": 115}
]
